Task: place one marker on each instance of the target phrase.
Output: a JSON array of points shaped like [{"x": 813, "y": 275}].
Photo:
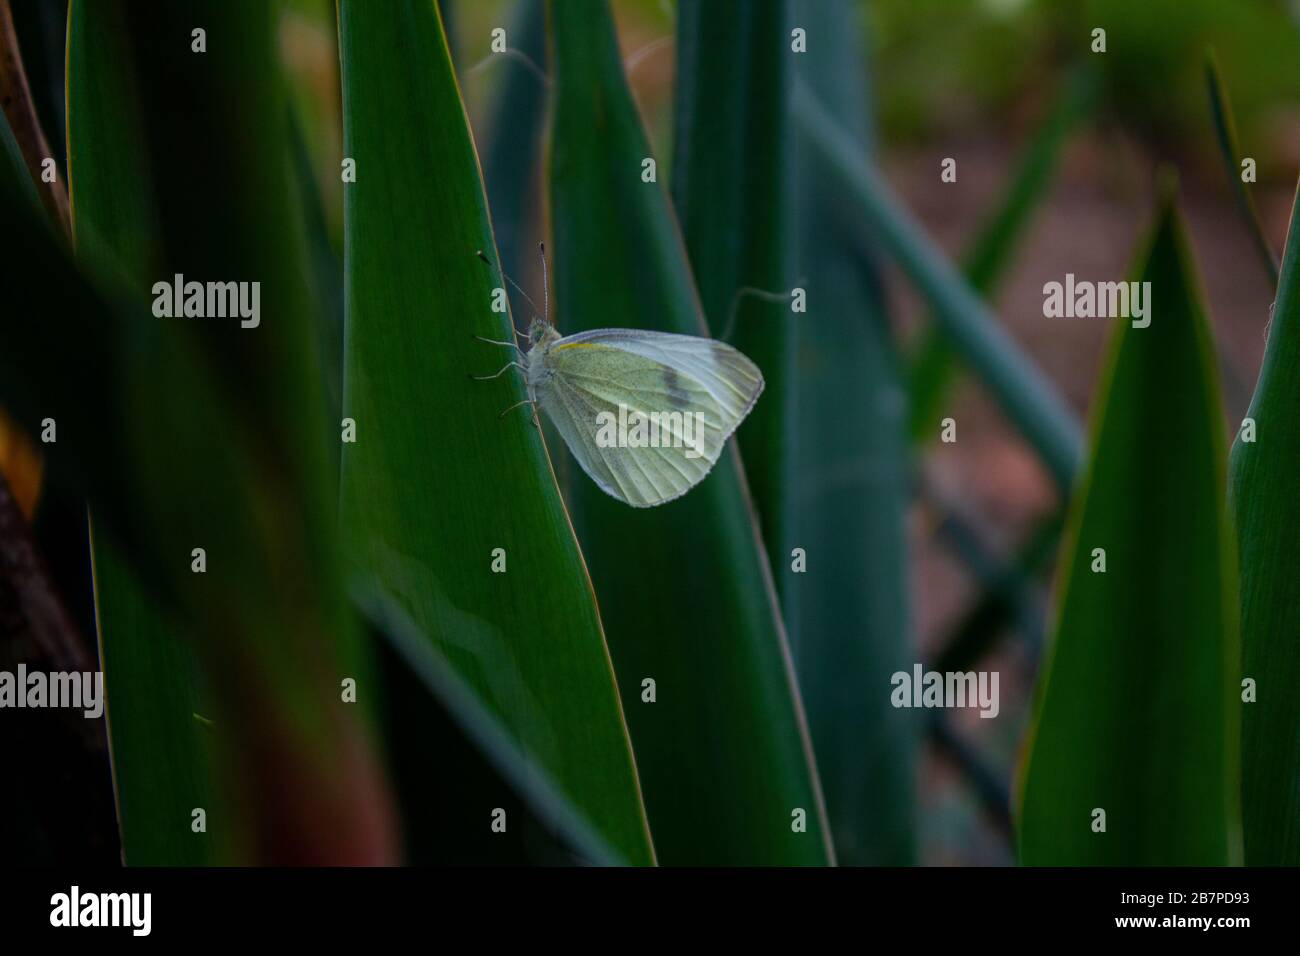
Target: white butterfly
[{"x": 646, "y": 414}]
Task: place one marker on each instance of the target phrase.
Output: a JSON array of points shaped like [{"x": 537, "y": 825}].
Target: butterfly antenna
[
  {"x": 743, "y": 291},
  {"x": 513, "y": 283},
  {"x": 510, "y": 53},
  {"x": 546, "y": 286}
]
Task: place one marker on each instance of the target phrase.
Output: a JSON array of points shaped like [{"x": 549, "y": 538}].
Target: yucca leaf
[
  {"x": 197, "y": 434},
  {"x": 513, "y": 142},
  {"x": 100, "y": 375},
  {"x": 438, "y": 487},
  {"x": 1225, "y": 131},
  {"x": 849, "y": 491},
  {"x": 1137, "y": 712},
  {"x": 326, "y": 271},
  {"x": 731, "y": 190},
  {"x": 684, "y": 588},
  {"x": 1265, "y": 459},
  {"x": 432, "y": 710},
  {"x": 162, "y": 738},
  {"x": 1025, "y": 395},
  {"x": 161, "y": 745}
]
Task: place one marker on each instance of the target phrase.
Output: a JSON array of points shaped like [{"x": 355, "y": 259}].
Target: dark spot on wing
[{"x": 677, "y": 396}]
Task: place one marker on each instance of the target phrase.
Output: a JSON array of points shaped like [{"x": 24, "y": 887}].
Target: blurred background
[{"x": 999, "y": 86}]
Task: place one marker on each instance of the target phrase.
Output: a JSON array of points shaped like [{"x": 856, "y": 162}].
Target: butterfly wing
[{"x": 647, "y": 372}]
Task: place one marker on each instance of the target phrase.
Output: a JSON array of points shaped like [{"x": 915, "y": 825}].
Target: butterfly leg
[
  {"x": 526, "y": 401},
  {"x": 508, "y": 366},
  {"x": 509, "y": 345}
]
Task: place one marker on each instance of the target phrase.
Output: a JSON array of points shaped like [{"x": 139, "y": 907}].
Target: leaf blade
[
  {"x": 1136, "y": 711},
  {"x": 728, "y": 727},
  {"x": 200, "y": 434},
  {"x": 1263, "y": 500},
  {"x": 848, "y": 612},
  {"x": 731, "y": 189},
  {"x": 518, "y": 637}
]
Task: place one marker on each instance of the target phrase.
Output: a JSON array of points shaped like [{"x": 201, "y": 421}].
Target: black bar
[{"x": 335, "y": 906}]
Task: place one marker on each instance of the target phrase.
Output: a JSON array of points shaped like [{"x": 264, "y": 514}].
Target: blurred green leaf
[
  {"x": 111, "y": 382},
  {"x": 161, "y": 750},
  {"x": 935, "y": 364},
  {"x": 1025, "y": 395},
  {"x": 436, "y": 481},
  {"x": 431, "y": 709},
  {"x": 161, "y": 739},
  {"x": 198, "y": 434},
  {"x": 325, "y": 271},
  {"x": 731, "y": 189},
  {"x": 512, "y": 169},
  {"x": 1267, "y": 512},
  {"x": 450, "y": 18},
  {"x": 1153, "y": 80},
  {"x": 685, "y": 589},
  {"x": 1225, "y": 130},
  {"x": 512, "y": 150},
  {"x": 848, "y": 613},
  {"x": 1137, "y": 711}
]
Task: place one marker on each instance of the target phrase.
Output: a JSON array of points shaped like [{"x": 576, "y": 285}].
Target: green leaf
[
  {"x": 685, "y": 589},
  {"x": 935, "y": 364},
  {"x": 433, "y": 710},
  {"x": 1225, "y": 131},
  {"x": 512, "y": 144},
  {"x": 326, "y": 273},
  {"x": 1137, "y": 712},
  {"x": 1263, "y": 495},
  {"x": 1025, "y": 395},
  {"x": 160, "y": 726},
  {"x": 205, "y": 434},
  {"x": 848, "y": 613},
  {"x": 161, "y": 749},
  {"x": 731, "y": 189},
  {"x": 436, "y": 481}
]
